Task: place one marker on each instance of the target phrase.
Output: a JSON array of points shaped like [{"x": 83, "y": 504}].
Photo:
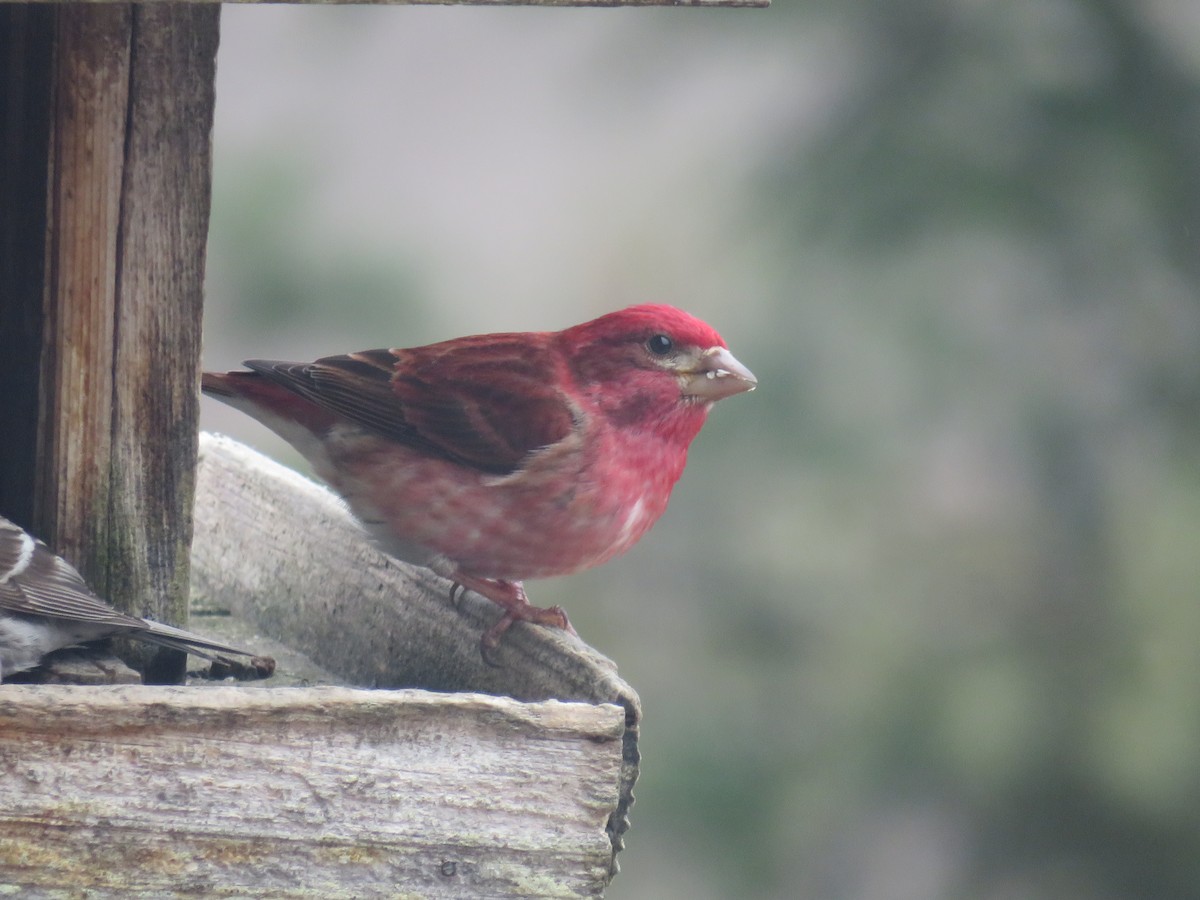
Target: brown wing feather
[
  {"x": 486, "y": 402},
  {"x": 356, "y": 386},
  {"x": 49, "y": 586}
]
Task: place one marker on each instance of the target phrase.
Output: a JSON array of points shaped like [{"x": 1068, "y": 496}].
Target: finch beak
[{"x": 717, "y": 374}]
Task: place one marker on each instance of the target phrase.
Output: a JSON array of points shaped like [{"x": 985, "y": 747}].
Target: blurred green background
[{"x": 923, "y": 620}]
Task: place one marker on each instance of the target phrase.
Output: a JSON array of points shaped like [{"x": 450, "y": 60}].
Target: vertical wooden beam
[
  {"x": 156, "y": 351},
  {"x": 85, "y": 162},
  {"x": 112, "y": 299}
]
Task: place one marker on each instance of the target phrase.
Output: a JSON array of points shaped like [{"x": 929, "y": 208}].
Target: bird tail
[{"x": 178, "y": 639}]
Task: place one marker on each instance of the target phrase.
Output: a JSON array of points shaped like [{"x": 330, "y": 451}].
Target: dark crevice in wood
[{"x": 26, "y": 60}]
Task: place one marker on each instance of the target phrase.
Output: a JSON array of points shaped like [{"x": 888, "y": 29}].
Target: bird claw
[
  {"x": 490, "y": 642},
  {"x": 564, "y": 623},
  {"x": 509, "y": 596}
]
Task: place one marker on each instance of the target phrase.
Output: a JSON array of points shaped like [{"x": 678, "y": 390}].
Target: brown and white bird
[{"x": 45, "y": 605}]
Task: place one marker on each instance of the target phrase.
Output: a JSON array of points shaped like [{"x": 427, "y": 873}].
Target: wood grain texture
[
  {"x": 315, "y": 792},
  {"x": 156, "y": 343},
  {"x": 761, "y": 4},
  {"x": 111, "y": 107},
  {"x": 284, "y": 553},
  {"x": 86, "y": 161}
]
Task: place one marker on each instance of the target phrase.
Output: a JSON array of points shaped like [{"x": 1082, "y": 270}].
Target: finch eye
[{"x": 660, "y": 345}]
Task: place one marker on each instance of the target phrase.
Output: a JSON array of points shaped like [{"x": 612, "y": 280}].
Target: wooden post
[{"x": 104, "y": 204}]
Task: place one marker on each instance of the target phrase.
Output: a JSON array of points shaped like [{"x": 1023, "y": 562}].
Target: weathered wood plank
[
  {"x": 85, "y": 160},
  {"x": 156, "y": 347},
  {"x": 107, "y": 111},
  {"x": 331, "y": 792},
  {"x": 759, "y": 4},
  {"x": 284, "y": 553}
]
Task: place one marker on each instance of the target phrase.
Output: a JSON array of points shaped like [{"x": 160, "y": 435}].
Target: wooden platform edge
[{"x": 128, "y": 791}]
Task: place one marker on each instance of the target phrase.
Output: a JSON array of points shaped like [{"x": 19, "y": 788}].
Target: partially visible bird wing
[
  {"x": 486, "y": 402},
  {"x": 36, "y": 582}
]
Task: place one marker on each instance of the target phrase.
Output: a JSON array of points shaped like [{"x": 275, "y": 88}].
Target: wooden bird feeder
[{"x": 448, "y": 778}]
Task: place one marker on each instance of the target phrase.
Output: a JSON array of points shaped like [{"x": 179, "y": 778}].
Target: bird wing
[
  {"x": 485, "y": 402},
  {"x": 36, "y": 582}
]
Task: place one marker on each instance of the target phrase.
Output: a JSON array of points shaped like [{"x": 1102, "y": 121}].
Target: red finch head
[{"x": 499, "y": 457}]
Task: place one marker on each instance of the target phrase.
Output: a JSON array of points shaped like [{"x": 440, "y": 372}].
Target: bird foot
[{"x": 509, "y": 596}]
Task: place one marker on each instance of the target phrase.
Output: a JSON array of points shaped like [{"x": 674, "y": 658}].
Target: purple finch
[
  {"x": 45, "y": 605},
  {"x": 499, "y": 457}
]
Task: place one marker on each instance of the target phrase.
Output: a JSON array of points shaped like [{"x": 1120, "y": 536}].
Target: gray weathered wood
[
  {"x": 108, "y": 114},
  {"x": 316, "y": 792},
  {"x": 595, "y": 3},
  {"x": 89, "y": 100},
  {"x": 284, "y": 552},
  {"x": 156, "y": 348}
]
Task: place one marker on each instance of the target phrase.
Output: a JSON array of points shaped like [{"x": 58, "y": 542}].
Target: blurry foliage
[
  {"x": 1007, "y": 198},
  {"x": 272, "y": 259}
]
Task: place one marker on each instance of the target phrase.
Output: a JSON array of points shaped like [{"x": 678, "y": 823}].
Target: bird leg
[{"x": 510, "y": 596}]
